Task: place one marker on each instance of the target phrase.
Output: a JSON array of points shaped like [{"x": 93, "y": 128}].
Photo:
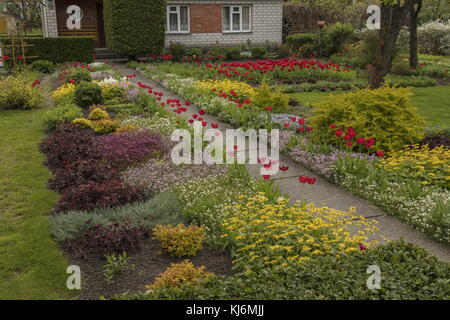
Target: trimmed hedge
[
  {"x": 297, "y": 40},
  {"x": 60, "y": 49},
  {"x": 135, "y": 28}
]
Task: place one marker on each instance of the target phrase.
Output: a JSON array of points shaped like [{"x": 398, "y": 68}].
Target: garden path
[{"x": 323, "y": 193}]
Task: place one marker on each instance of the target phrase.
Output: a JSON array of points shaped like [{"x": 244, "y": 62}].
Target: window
[
  {"x": 178, "y": 19},
  {"x": 236, "y": 19}
]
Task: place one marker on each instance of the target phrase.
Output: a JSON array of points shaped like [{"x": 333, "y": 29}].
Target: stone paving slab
[{"x": 323, "y": 192}]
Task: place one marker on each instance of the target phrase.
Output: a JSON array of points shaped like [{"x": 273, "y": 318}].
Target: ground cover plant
[{"x": 317, "y": 279}]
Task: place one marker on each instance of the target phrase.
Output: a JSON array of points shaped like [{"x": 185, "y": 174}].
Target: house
[{"x": 194, "y": 23}]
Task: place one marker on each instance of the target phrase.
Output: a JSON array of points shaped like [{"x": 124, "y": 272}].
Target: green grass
[
  {"x": 31, "y": 265},
  {"x": 433, "y": 102}
]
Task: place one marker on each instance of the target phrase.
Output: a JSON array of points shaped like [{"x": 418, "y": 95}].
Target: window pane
[
  {"x": 226, "y": 19},
  {"x": 245, "y": 18},
  {"x": 173, "y": 22},
  {"x": 184, "y": 18},
  {"x": 173, "y": 9},
  {"x": 236, "y": 21}
]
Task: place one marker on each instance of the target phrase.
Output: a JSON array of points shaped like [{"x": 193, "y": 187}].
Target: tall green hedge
[
  {"x": 135, "y": 27},
  {"x": 59, "y": 50}
]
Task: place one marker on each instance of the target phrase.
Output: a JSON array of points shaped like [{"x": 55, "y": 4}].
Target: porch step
[{"x": 106, "y": 54}]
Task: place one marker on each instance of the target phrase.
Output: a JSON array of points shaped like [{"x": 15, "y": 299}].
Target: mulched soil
[{"x": 143, "y": 267}]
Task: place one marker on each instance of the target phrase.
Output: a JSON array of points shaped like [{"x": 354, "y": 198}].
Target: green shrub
[
  {"x": 258, "y": 52},
  {"x": 195, "y": 52},
  {"x": 335, "y": 37},
  {"x": 135, "y": 28},
  {"x": 43, "y": 66},
  {"x": 407, "y": 273},
  {"x": 307, "y": 50},
  {"x": 297, "y": 40},
  {"x": 266, "y": 96},
  {"x": 385, "y": 114},
  {"x": 114, "y": 94},
  {"x": 59, "y": 49},
  {"x": 16, "y": 92},
  {"x": 61, "y": 114},
  {"x": 88, "y": 94},
  {"x": 367, "y": 49},
  {"x": 177, "y": 50},
  {"x": 283, "y": 51},
  {"x": 164, "y": 208},
  {"x": 79, "y": 75},
  {"x": 232, "y": 53}
]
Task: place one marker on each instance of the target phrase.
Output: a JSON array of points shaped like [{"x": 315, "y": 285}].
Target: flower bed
[{"x": 109, "y": 212}]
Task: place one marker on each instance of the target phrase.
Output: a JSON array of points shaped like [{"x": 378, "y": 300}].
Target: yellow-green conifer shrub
[
  {"x": 180, "y": 240},
  {"x": 266, "y": 96},
  {"x": 98, "y": 114},
  {"x": 179, "y": 274},
  {"x": 385, "y": 114}
]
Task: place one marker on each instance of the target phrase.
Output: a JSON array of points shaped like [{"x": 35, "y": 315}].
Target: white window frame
[
  {"x": 178, "y": 12},
  {"x": 240, "y": 18}
]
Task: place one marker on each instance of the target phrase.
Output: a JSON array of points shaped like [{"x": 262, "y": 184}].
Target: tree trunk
[
  {"x": 392, "y": 18},
  {"x": 413, "y": 51}
]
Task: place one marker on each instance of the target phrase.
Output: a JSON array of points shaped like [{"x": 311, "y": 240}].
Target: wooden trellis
[{"x": 15, "y": 52}]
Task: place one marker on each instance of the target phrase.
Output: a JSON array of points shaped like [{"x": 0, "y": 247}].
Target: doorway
[{"x": 101, "y": 38}]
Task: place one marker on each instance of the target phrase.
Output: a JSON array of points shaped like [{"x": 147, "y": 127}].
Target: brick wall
[
  {"x": 267, "y": 18},
  {"x": 206, "y": 18}
]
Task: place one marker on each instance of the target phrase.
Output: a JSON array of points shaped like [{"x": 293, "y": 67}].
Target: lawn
[
  {"x": 31, "y": 267},
  {"x": 433, "y": 102}
]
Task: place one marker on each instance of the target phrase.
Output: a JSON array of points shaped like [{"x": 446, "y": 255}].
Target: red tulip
[
  {"x": 332, "y": 126},
  {"x": 347, "y": 137},
  {"x": 284, "y": 168},
  {"x": 269, "y": 108},
  {"x": 204, "y": 123},
  {"x": 339, "y": 133},
  {"x": 380, "y": 153},
  {"x": 301, "y": 121},
  {"x": 201, "y": 112},
  {"x": 195, "y": 116},
  {"x": 362, "y": 247},
  {"x": 360, "y": 140},
  {"x": 349, "y": 143},
  {"x": 214, "y": 125},
  {"x": 266, "y": 176},
  {"x": 187, "y": 103}
]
